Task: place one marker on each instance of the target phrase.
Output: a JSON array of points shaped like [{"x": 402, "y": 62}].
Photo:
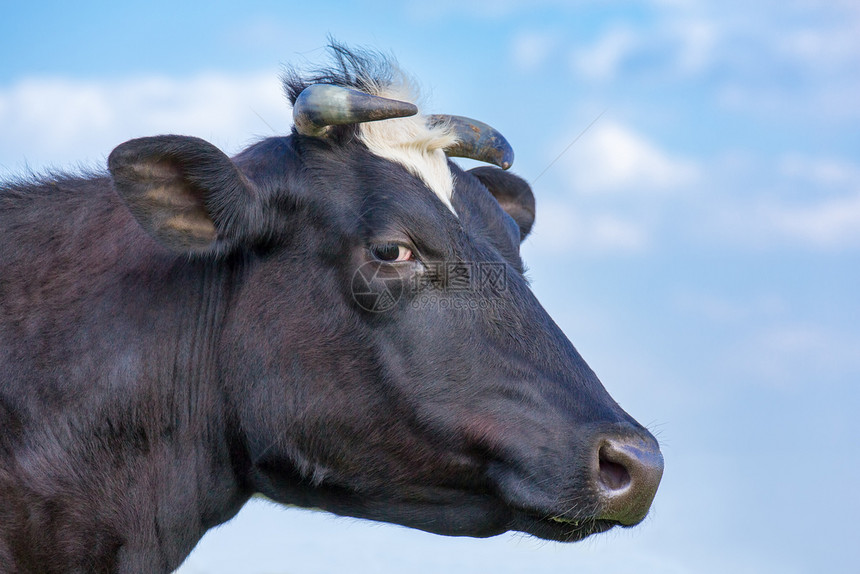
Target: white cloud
[
  {"x": 680, "y": 44},
  {"x": 477, "y": 9},
  {"x": 820, "y": 170},
  {"x": 613, "y": 158},
  {"x": 832, "y": 223},
  {"x": 49, "y": 121},
  {"x": 831, "y": 100},
  {"x": 606, "y": 168},
  {"x": 823, "y": 48},
  {"x": 532, "y": 49},
  {"x": 603, "y": 59},
  {"x": 783, "y": 356},
  {"x": 562, "y": 229},
  {"x": 720, "y": 310},
  {"x": 799, "y": 61},
  {"x": 797, "y": 201},
  {"x": 697, "y": 40},
  {"x": 766, "y": 60},
  {"x": 768, "y": 343}
]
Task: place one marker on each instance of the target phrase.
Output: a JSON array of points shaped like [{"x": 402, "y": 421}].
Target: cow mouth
[
  {"x": 559, "y": 528},
  {"x": 545, "y": 515},
  {"x": 482, "y": 515}
]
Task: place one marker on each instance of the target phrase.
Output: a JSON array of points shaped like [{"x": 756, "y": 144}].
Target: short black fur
[{"x": 151, "y": 382}]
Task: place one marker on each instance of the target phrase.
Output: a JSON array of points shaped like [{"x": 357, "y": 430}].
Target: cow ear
[
  {"x": 513, "y": 194},
  {"x": 184, "y": 192}
]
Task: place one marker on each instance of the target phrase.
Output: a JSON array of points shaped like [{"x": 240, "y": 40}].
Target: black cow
[{"x": 334, "y": 319}]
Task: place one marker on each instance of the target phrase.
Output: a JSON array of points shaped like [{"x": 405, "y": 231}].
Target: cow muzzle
[{"x": 626, "y": 474}]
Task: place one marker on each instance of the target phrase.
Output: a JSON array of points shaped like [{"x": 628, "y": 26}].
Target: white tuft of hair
[{"x": 413, "y": 144}]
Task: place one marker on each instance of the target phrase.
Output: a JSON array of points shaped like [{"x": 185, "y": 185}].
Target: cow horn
[
  {"x": 476, "y": 140},
  {"x": 322, "y": 105}
]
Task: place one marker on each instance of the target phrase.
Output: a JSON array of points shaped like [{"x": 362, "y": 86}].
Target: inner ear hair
[{"x": 183, "y": 191}]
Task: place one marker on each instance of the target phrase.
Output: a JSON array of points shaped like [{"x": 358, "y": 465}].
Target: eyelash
[{"x": 392, "y": 253}]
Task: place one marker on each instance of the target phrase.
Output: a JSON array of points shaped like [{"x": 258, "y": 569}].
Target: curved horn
[
  {"x": 477, "y": 140},
  {"x": 322, "y": 105}
]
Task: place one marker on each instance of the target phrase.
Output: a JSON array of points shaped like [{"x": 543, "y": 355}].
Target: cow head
[{"x": 382, "y": 355}]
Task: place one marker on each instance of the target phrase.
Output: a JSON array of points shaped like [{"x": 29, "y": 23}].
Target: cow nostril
[
  {"x": 627, "y": 474},
  {"x": 612, "y": 476}
]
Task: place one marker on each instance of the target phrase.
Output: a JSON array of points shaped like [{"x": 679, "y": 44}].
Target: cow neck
[{"x": 199, "y": 475}]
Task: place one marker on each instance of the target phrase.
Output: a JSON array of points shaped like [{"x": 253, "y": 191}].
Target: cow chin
[
  {"x": 464, "y": 514},
  {"x": 455, "y": 514},
  {"x": 560, "y": 530},
  {"x": 443, "y": 511},
  {"x": 479, "y": 516},
  {"x": 448, "y": 512}
]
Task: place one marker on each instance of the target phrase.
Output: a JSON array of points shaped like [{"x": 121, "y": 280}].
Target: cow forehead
[{"x": 416, "y": 146}]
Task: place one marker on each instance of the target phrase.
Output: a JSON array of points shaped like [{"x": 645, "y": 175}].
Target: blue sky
[{"x": 699, "y": 243}]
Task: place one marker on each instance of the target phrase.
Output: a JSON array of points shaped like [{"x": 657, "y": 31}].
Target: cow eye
[{"x": 391, "y": 252}]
